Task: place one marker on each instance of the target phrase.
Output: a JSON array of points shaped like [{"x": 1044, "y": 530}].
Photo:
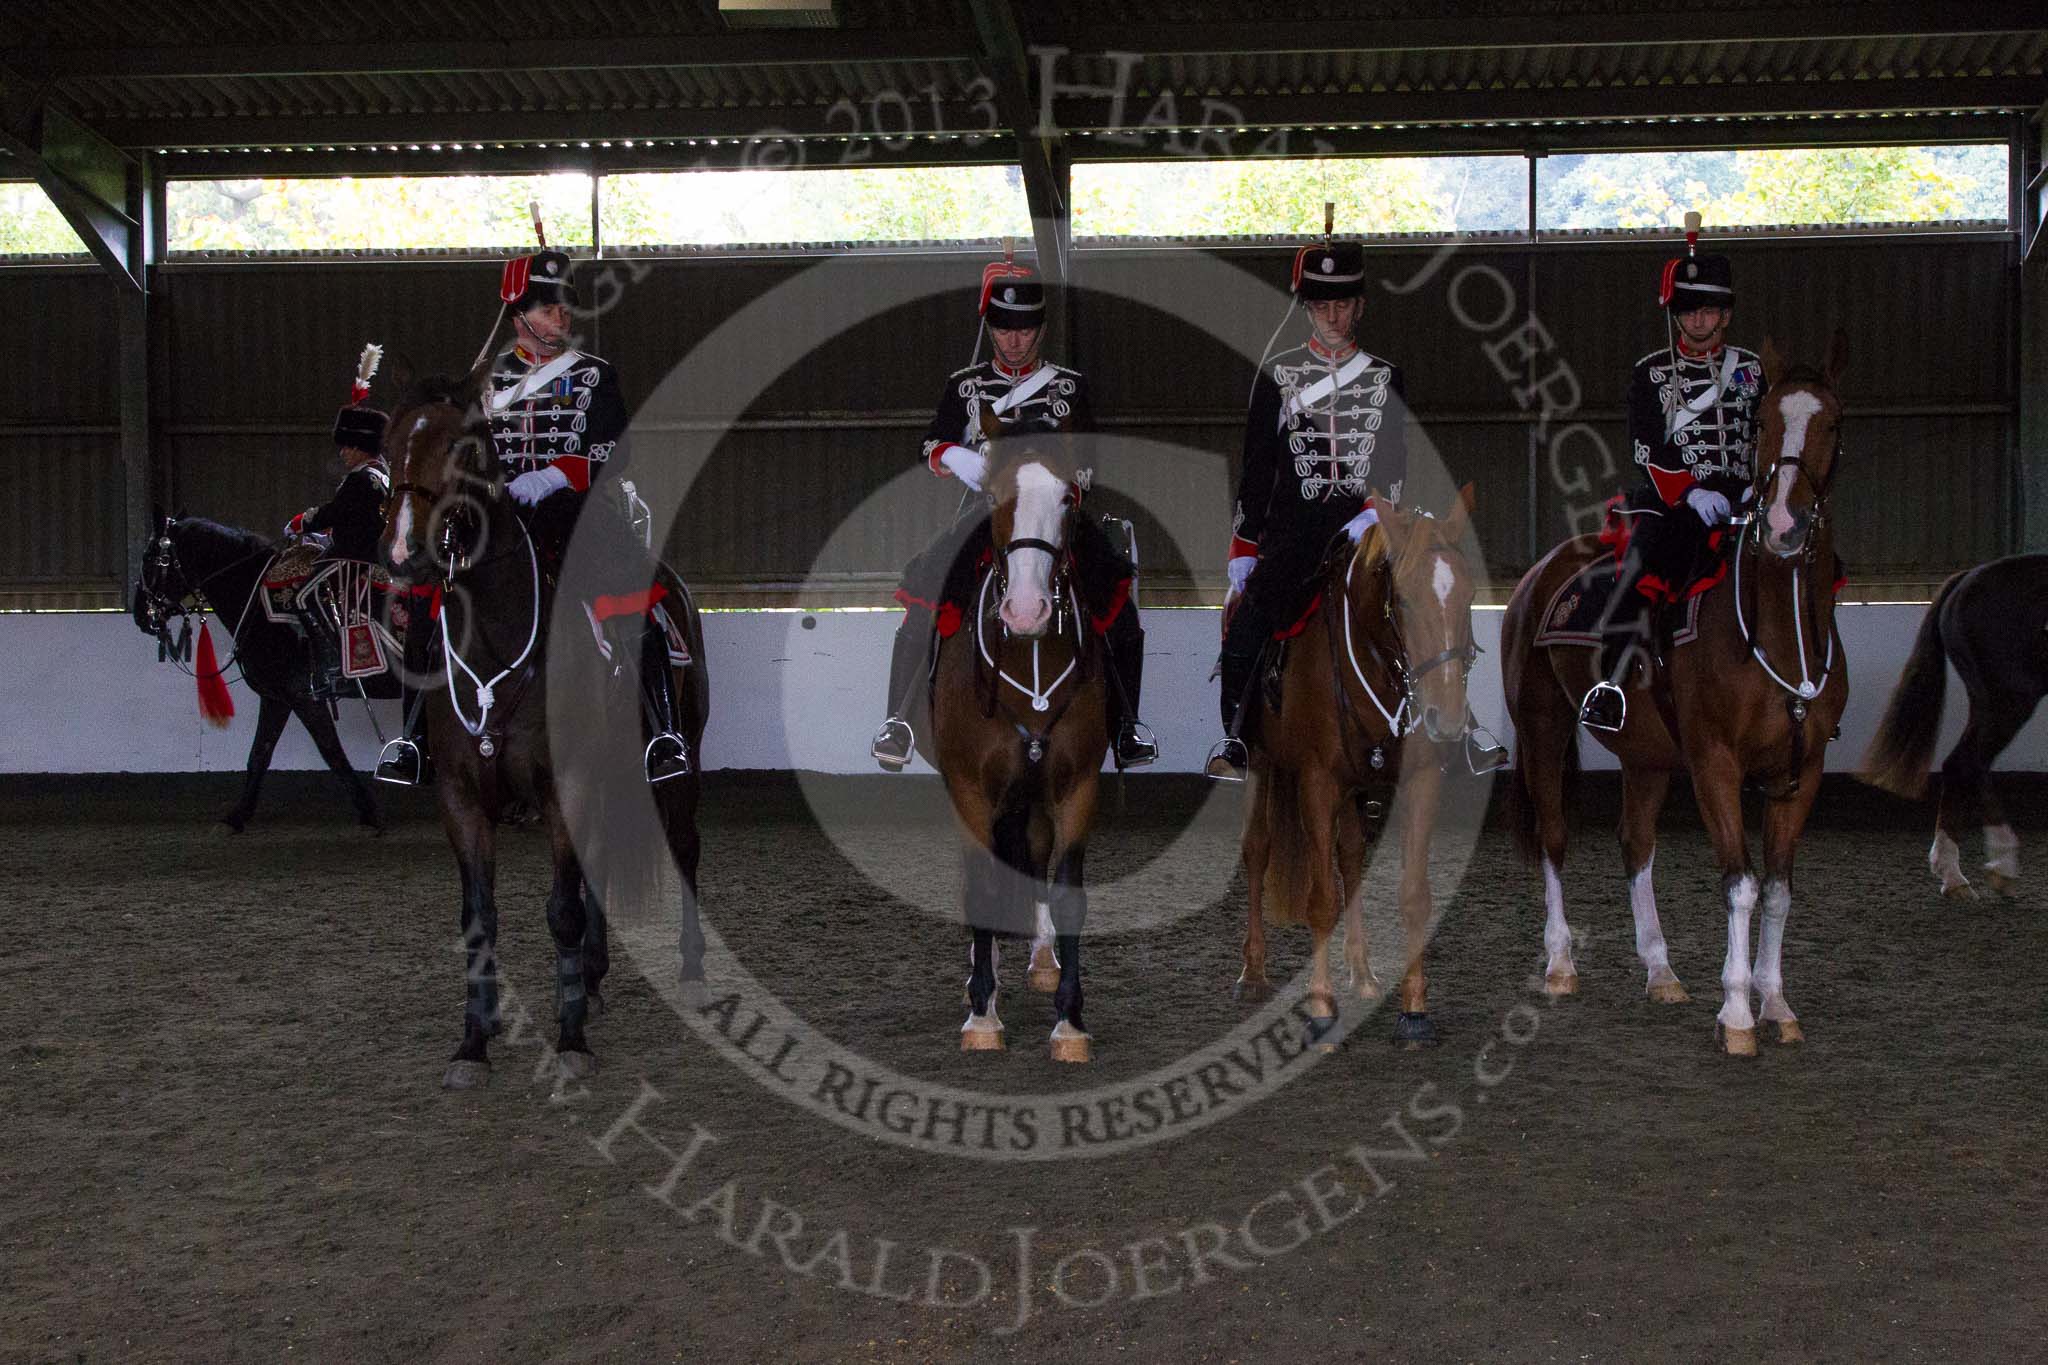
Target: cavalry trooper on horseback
[
  {"x": 1692, "y": 426},
  {"x": 351, "y": 520},
  {"x": 1324, "y": 434},
  {"x": 1030, "y": 393},
  {"x": 557, "y": 420}
]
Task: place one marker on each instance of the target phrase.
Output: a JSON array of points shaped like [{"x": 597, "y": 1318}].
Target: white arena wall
[{"x": 83, "y": 692}]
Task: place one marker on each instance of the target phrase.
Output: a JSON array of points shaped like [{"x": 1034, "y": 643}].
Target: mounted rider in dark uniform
[
  {"x": 351, "y": 521},
  {"x": 1024, "y": 390},
  {"x": 558, "y": 421},
  {"x": 1692, "y": 426},
  {"x": 1325, "y": 432}
]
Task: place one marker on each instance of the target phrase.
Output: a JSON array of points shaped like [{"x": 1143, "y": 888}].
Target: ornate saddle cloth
[
  {"x": 1573, "y": 615},
  {"x": 364, "y": 607}
]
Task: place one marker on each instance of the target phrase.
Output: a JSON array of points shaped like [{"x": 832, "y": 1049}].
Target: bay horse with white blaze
[
  {"x": 194, "y": 566},
  {"x": 1019, "y": 715},
  {"x": 1371, "y": 692},
  {"x": 1991, "y": 622},
  {"x": 451, "y": 527},
  {"x": 1756, "y": 694}
]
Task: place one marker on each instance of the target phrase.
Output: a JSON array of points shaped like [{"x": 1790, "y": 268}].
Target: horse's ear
[
  {"x": 1838, "y": 357},
  {"x": 1774, "y": 362},
  {"x": 1460, "y": 515},
  {"x": 474, "y": 383}
]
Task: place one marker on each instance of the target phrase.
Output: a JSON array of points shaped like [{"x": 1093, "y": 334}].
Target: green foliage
[
  {"x": 1245, "y": 198},
  {"x": 377, "y": 212},
  {"x": 854, "y": 204},
  {"x": 1831, "y": 185},
  {"x": 30, "y": 224}
]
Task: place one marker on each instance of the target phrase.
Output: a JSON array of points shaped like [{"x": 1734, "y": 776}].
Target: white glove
[
  {"x": 530, "y": 487},
  {"x": 966, "y": 464},
  {"x": 1360, "y": 524},
  {"x": 1711, "y": 507},
  {"x": 1240, "y": 571}
]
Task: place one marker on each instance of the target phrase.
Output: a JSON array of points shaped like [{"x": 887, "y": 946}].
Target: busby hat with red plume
[
  {"x": 359, "y": 426},
  {"x": 1011, "y": 296}
]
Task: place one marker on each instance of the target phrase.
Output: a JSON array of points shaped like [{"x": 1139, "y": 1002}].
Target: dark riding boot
[
  {"x": 667, "y": 754},
  {"x": 1230, "y": 760},
  {"x": 406, "y": 761},
  {"x": 323, "y": 649},
  {"x": 895, "y": 742},
  {"x": 1605, "y": 707},
  {"x": 1131, "y": 738}
]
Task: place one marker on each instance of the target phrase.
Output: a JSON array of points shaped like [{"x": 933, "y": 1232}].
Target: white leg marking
[
  {"x": 1735, "y": 1012},
  {"x": 1642, "y": 903},
  {"x": 1769, "y": 979},
  {"x": 401, "y": 535},
  {"x": 1557, "y": 935},
  {"x": 2003, "y": 844},
  {"x": 1945, "y": 861}
]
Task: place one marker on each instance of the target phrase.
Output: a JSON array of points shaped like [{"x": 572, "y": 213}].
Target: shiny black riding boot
[
  {"x": 895, "y": 742},
  {"x": 1130, "y": 737},
  {"x": 407, "y": 761},
  {"x": 667, "y": 754},
  {"x": 1230, "y": 760}
]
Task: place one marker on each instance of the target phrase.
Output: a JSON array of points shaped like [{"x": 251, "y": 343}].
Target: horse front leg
[
  {"x": 981, "y": 888},
  {"x": 1717, "y": 784},
  {"x": 313, "y": 715},
  {"x": 475, "y": 857},
  {"x": 1252, "y": 982},
  {"x": 1420, "y": 797},
  {"x": 1072, "y": 819},
  {"x": 1320, "y": 796},
  {"x": 568, "y": 922},
  {"x": 1783, "y": 821},
  {"x": 274, "y": 714}
]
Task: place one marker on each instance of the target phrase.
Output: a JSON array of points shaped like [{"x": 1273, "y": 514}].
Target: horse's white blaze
[
  {"x": 403, "y": 532},
  {"x": 2003, "y": 844},
  {"x": 1945, "y": 861},
  {"x": 1769, "y": 978},
  {"x": 1444, "y": 579},
  {"x": 1797, "y": 409},
  {"x": 1557, "y": 935},
  {"x": 1041, "y": 495},
  {"x": 1642, "y": 903},
  {"x": 1735, "y": 970}
]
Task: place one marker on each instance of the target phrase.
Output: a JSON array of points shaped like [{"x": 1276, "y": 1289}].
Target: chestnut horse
[
  {"x": 1991, "y": 622},
  {"x": 1371, "y": 690},
  {"x": 1020, "y": 722},
  {"x": 1756, "y": 695},
  {"x": 450, "y": 525}
]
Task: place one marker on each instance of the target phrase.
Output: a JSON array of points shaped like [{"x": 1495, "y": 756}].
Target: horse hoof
[
  {"x": 1561, "y": 983},
  {"x": 981, "y": 1033},
  {"x": 1962, "y": 893},
  {"x": 594, "y": 1008},
  {"x": 1668, "y": 993},
  {"x": 1415, "y": 1029},
  {"x": 574, "y": 1066},
  {"x": 1044, "y": 980},
  {"x": 1249, "y": 990},
  {"x": 1737, "y": 1042},
  {"x": 463, "y": 1074},
  {"x": 1069, "y": 1044},
  {"x": 1322, "y": 1032},
  {"x": 2005, "y": 886},
  {"x": 695, "y": 994},
  {"x": 1790, "y": 1032},
  {"x": 231, "y": 826}
]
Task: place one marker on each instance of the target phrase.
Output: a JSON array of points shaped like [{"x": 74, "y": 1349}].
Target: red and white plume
[
  {"x": 366, "y": 370},
  {"x": 539, "y": 230}
]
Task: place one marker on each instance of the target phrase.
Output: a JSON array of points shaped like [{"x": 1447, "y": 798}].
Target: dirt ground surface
[{"x": 227, "y": 1141}]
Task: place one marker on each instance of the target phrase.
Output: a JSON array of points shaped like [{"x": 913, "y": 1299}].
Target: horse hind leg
[
  {"x": 471, "y": 1065},
  {"x": 2001, "y": 841},
  {"x": 1351, "y": 878},
  {"x": 271, "y": 718},
  {"x": 1544, "y": 729},
  {"x": 568, "y": 922},
  {"x": 1252, "y": 982},
  {"x": 320, "y": 725},
  {"x": 1642, "y": 797}
]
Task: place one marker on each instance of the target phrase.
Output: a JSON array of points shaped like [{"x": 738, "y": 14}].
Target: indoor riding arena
[{"x": 957, "y": 680}]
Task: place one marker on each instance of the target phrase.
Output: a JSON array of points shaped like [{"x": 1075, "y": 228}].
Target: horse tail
[
  {"x": 1285, "y": 889},
  {"x": 216, "y": 703},
  {"x": 1898, "y": 757}
]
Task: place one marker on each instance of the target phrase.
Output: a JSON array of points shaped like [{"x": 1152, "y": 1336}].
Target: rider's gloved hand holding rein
[
  {"x": 529, "y": 488},
  {"x": 1709, "y": 506},
  {"x": 968, "y": 464}
]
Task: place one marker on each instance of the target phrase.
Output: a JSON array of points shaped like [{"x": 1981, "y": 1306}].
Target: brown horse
[
  {"x": 1370, "y": 691},
  {"x": 1020, "y": 723},
  {"x": 1991, "y": 622},
  {"x": 1757, "y": 694},
  {"x": 451, "y": 526}
]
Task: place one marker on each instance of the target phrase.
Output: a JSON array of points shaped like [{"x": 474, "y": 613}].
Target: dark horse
[
  {"x": 1757, "y": 695},
  {"x": 1370, "y": 689},
  {"x": 451, "y": 527},
  {"x": 199, "y": 565},
  {"x": 1019, "y": 716},
  {"x": 1991, "y": 622}
]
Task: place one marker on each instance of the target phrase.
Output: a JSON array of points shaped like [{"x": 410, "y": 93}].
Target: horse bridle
[
  {"x": 160, "y": 605},
  {"x": 1822, "y": 487}
]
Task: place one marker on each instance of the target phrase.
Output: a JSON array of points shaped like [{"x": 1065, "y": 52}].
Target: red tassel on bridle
[{"x": 216, "y": 703}]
